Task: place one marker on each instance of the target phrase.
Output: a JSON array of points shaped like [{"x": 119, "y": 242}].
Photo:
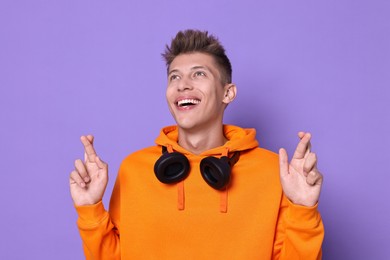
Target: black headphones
[{"x": 175, "y": 167}]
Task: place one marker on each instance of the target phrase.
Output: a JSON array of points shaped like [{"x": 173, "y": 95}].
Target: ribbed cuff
[
  {"x": 91, "y": 214},
  {"x": 302, "y": 216}
]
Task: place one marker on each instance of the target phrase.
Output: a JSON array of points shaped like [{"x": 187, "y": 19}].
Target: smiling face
[{"x": 195, "y": 94}]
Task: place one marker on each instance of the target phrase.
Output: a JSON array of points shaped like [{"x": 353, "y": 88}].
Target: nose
[{"x": 184, "y": 84}]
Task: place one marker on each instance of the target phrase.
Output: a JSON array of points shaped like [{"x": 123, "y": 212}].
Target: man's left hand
[{"x": 301, "y": 180}]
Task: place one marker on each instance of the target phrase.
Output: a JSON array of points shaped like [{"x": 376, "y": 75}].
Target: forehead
[{"x": 190, "y": 60}]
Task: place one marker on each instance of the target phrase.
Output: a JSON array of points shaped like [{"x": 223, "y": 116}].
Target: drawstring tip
[
  {"x": 180, "y": 195},
  {"x": 224, "y": 201}
]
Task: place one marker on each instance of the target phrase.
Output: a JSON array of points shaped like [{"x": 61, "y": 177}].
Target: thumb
[{"x": 283, "y": 162}]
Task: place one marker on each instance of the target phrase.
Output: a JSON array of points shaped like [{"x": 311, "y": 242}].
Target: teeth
[{"x": 188, "y": 101}]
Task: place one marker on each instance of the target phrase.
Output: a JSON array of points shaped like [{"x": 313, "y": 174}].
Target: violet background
[{"x": 69, "y": 68}]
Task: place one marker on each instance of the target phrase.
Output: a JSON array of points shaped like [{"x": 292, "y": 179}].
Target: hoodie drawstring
[
  {"x": 180, "y": 187},
  {"x": 224, "y": 193},
  {"x": 224, "y": 201},
  {"x": 181, "y": 194}
]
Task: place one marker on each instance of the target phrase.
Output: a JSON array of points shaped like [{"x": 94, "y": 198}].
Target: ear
[{"x": 230, "y": 93}]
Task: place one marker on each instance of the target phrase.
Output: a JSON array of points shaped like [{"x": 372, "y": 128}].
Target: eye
[
  {"x": 199, "y": 74},
  {"x": 174, "y": 77}
]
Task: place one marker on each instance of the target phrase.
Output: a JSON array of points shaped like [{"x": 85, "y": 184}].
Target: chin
[{"x": 185, "y": 125}]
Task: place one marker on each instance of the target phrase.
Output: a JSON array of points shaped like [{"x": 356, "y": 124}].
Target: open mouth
[{"x": 187, "y": 102}]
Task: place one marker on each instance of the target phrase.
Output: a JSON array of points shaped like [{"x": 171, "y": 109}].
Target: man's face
[{"x": 195, "y": 94}]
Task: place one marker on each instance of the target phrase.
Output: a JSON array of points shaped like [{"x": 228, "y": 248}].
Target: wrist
[
  {"x": 91, "y": 214},
  {"x": 303, "y": 216}
]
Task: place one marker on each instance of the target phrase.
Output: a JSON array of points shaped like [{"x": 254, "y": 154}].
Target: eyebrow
[
  {"x": 193, "y": 68},
  {"x": 172, "y": 71},
  {"x": 200, "y": 67}
]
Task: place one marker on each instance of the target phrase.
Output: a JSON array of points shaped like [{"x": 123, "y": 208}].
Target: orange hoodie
[{"x": 251, "y": 219}]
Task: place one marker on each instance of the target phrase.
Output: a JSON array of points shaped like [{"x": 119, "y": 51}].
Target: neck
[{"x": 198, "y": 141}]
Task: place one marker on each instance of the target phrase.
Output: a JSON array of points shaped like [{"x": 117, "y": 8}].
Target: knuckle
[
  {"x": 74, "y": 175},
  {"x": 83, "y": 172},
  {"x": 77, "y": 162}
]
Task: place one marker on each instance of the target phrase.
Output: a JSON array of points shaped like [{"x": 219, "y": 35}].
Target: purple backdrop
[{"x": 70, "y": 67}]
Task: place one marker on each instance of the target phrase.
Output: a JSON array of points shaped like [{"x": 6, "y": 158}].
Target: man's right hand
[{"x": 89, "y": 179}]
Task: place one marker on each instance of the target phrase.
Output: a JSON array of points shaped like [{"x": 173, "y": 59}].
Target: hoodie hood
[{"x": 239, "y": 139}]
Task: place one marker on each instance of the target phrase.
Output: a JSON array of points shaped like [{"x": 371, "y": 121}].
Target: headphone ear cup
[
  {"x": 171, "y": 168},
  {"x": 216, "y": 172}
]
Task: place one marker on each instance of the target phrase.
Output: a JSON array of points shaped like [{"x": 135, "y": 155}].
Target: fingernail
[{"x": 86, "y": 179}]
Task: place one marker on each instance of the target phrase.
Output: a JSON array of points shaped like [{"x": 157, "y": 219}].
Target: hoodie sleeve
[
  {"x": 99, "y": 229},
  {"x": 98, "y": 233},
  {"x": 299, "y": 232}
]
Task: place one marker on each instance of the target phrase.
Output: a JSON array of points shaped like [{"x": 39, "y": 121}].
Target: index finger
[
  {"x": 89, "y": 150},
  {"x": 303, "y": 147}
]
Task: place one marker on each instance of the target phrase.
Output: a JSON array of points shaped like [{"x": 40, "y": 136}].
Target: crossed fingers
[
  {"x": 303, "y": 152},
  {"x": 80, "y": 174},
  {"x": 89, "y": 150}
]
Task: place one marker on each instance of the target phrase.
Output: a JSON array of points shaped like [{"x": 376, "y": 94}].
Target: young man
[{"x": 206, "y": 190}]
